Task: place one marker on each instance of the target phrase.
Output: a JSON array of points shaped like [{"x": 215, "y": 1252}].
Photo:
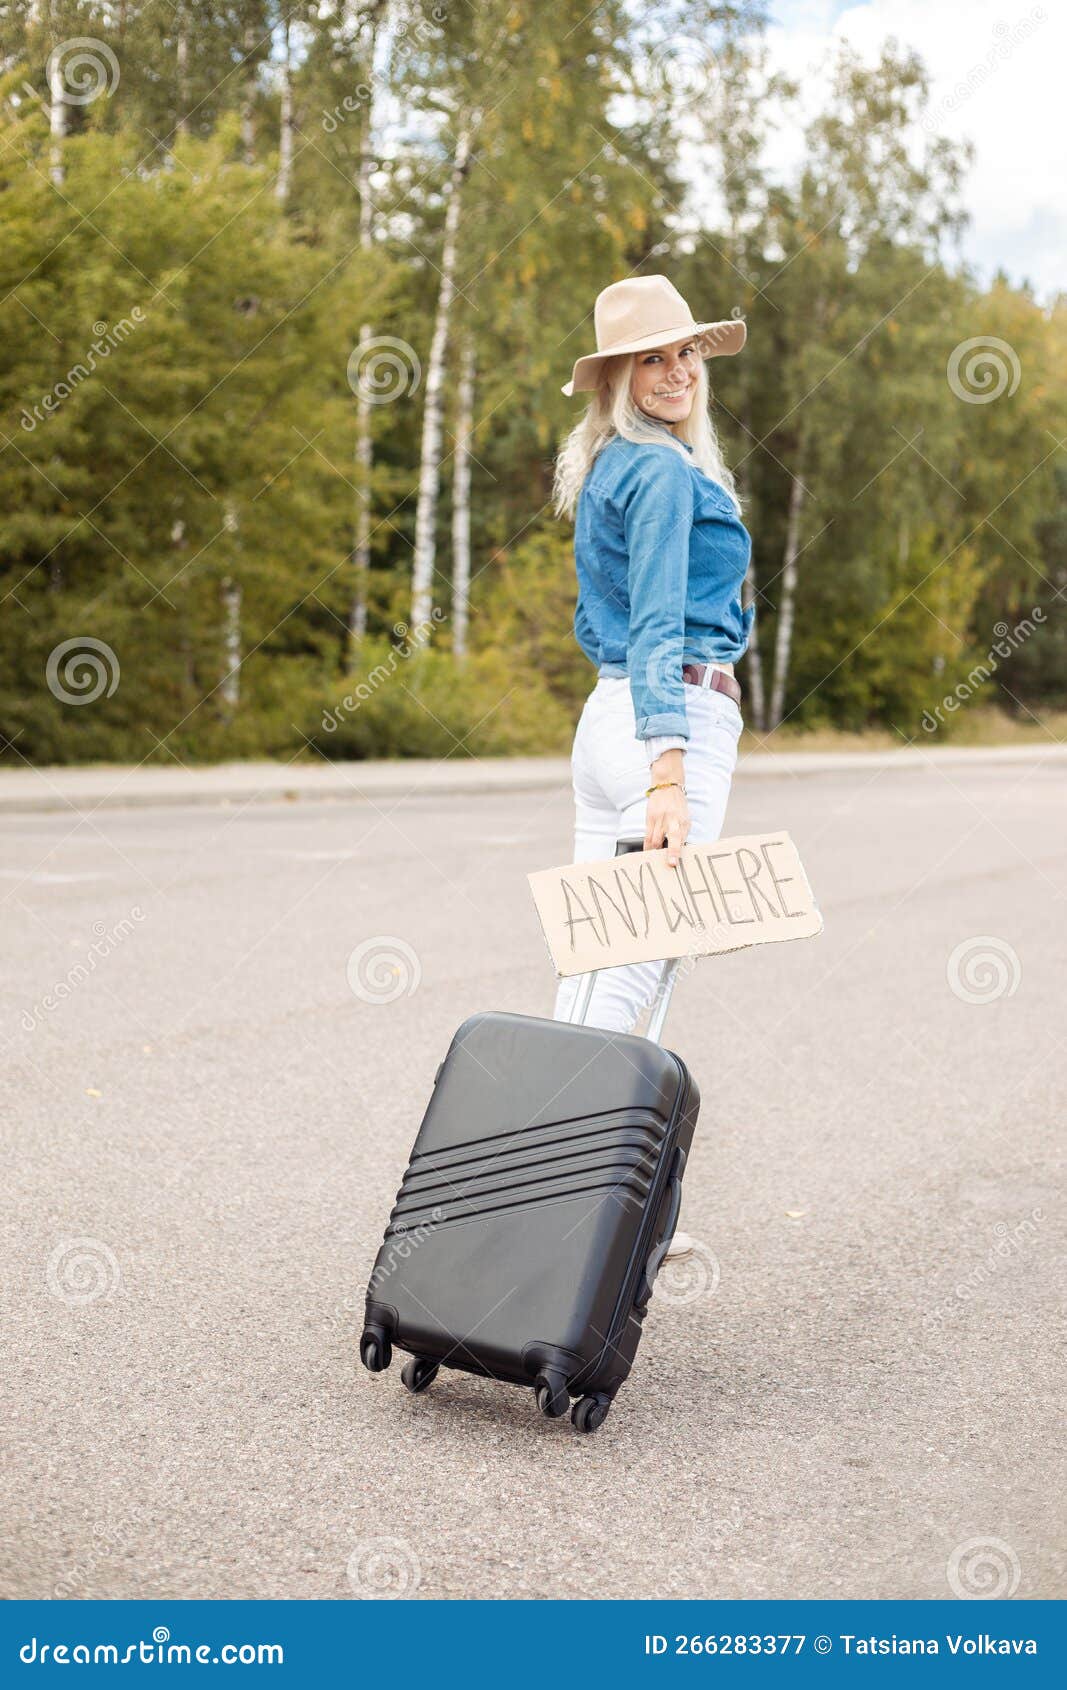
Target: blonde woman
[{"x": 661, "y": 554}]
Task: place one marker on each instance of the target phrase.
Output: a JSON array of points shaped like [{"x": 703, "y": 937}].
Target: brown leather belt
[{"x": 714, "y": 680}]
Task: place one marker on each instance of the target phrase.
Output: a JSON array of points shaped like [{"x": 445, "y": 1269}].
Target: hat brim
[{"x": 715, "y": 340}]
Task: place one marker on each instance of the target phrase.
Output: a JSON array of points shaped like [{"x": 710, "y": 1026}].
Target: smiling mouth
[{"x": 677, "y": 393}]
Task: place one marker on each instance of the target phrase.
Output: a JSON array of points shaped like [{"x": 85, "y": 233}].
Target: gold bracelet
[{"x": 661, "y": 785}]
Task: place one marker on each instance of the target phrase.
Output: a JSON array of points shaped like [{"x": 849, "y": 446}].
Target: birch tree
[
  {"x": 461, "y": 497},
  {"x": 57, "y": 106},
  {"x": 433, "y": 406},
  {"x": 285, "y": 122},
  {"x": 249, "y": 73},
  {"x": 181, "y": 59},
  {"x": 783, "y": 636},
  {"x": 364, "y": 448}
]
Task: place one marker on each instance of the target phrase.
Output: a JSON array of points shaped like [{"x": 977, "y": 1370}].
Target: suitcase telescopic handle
[{"x": 667, "y": 980}]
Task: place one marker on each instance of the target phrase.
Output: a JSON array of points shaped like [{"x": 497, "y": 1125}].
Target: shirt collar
[{"x": 667, "y": 429}]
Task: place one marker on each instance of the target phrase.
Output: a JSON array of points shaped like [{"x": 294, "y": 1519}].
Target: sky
[{"x": 997, "y": 69}]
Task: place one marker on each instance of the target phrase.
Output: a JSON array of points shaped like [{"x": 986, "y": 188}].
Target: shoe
[{"x": 680, "y": 1246}]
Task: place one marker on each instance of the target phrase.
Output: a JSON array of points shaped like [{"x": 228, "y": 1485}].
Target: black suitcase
[{"x": 541, "y": 1195}]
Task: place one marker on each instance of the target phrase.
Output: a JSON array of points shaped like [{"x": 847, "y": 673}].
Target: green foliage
[
  {"x": 179, "y": 481},
  {"x": 424, "y": 706}
]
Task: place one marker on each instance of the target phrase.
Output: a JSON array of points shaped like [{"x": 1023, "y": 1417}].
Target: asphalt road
[{"x": 856, "y": 1393}]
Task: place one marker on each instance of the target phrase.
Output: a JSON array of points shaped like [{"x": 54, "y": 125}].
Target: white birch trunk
[
  {"x": 230, "y": 681},
  {"x": 285, "y": 135},
  {"x": 230, "y": 687},
  {"x": 783, "y": 643},
  {"x": 755, "y": 697},
  {"x": 756, "y": 704},
  {"x": 182, "y": 59},
  {"x": 364, "y": 459},
  {"x": 461, "y": 500},
  {"x": 248, "y": 101},
  {"x": 433, "y": 412},
  {"x": 57, "y": 120},
  {"x": 364, "y": 448}
]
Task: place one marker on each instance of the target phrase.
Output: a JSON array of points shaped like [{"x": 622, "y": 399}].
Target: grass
[{"x": 987, "y": 726}]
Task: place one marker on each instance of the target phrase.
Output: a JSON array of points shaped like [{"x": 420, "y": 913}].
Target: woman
[{"x": 661, "y": 554}]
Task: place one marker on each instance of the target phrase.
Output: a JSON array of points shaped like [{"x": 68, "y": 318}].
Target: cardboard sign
[{"x": 722, "y": 897}]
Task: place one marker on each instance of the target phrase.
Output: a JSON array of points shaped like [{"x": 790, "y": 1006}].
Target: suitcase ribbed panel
[{"x": 614, "y": 1155}]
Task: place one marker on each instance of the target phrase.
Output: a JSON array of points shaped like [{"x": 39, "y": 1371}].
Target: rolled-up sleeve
[{"x": 658, "y": 519}]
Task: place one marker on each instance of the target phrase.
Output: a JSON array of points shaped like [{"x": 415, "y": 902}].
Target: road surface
[{"x": 856, "y": 1391}]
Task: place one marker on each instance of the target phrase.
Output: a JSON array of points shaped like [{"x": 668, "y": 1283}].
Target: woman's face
[{"x": 664, "y": 381}]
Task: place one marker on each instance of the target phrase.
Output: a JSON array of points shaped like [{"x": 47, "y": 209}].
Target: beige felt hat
[{"x": 643, "y": 312}]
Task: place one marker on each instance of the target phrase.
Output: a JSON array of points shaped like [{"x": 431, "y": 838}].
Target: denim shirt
[{"x": 660, "y": 555}]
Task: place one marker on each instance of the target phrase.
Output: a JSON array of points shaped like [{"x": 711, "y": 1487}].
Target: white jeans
[{"x": 610, "y": 771}]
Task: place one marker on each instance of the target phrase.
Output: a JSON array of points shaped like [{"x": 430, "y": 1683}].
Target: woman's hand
[{"x": 667, "y": 815}]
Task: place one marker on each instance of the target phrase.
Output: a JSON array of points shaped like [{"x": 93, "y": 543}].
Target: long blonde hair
[{"x": 612, "y": 411}]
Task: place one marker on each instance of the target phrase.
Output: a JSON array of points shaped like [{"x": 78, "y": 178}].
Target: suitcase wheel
[
  {"x": 419, "y": 1374},
  {"x": 590, "y": 1412},
  {"x": 375, "y": 1351},
  {"x": 553, "y": 1398}
]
